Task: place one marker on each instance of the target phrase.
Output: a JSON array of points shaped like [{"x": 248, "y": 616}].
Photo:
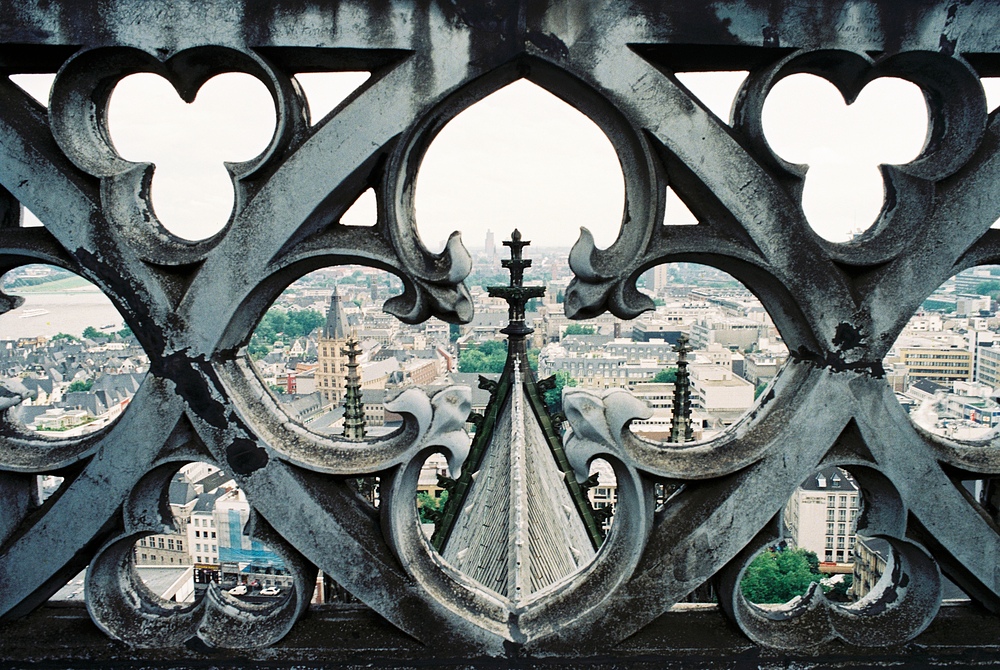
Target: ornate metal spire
[
  {"x": 517, "y": 519},
  {"x": 354, "y": 407},
  {"x": 680, "y": 427},
  {"x": 517, "y": 295}
]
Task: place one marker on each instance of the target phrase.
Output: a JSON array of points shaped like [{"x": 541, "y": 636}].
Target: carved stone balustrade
[{"x": 194, "y": 305}]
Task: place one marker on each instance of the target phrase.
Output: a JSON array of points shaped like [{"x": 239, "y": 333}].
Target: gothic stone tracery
[{"x": 194, "y": 305}]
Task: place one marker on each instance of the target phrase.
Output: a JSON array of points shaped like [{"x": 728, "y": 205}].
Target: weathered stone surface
[
  {"x": 193, "y": 307},
  {"x": 693, "y": 637}
]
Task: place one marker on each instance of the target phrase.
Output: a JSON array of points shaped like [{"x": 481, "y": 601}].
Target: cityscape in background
[{"x": 944, "y": 369}]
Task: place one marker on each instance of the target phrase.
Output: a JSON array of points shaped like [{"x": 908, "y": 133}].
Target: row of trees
[
  {"x": 990, "y": 288},
  {"x": 91, "y": 333},
  {"x": 81, "y": 385},
  {"x": 777, "y": 575},
  {"x": 489, "y": 357},
  {"x": 665, "y": 376},
  {"x": 280, "y": 324},
  {"x": 55, "y": 275}
]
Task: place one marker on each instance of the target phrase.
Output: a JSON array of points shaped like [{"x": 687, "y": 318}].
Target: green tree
[
  {"x": 553, "y": 397},
  {"x": 277, "y": 324},
  {"x": 485, "y": 357},
  {"x": 301, "y": 322},
  {"x": 813, "y": 560},
  {"x": 990, "y": 288},
  {"x": 125, "y": 332},
  {"x": 92, "y": 333},
  {"x": 579, "y": 329},
  {"x": 454, "y": 332},
  {"x": 493, "y": 348},
  {"x": 257, "y": 349},
  {"x": 533, "y": 359},
  {"x": 778, "y": 576},
  {"x": 472, "y": 360},
  {"x": 666, "y": 376},
  {"x": 274, "y": 323},
  {"x": 428, "y": 507},
  {"x": 80, "y": 385},
  {"x": 65, "y": 337},
  {"x": 760, "y": 389},
  {"x": 839, "y": 591}
]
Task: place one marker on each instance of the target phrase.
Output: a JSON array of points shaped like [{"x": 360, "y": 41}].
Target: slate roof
[
  {"x": 300, "y": 406},
  {"x": 36, "y": 384},
  {"x": 516, "y": 519},
  {"x": 181, "y": 491},
  {"x": 928, "y": 386},
  {"x": 336, "y": 321},
  {"x": 480, "y": 397},
  {"x": 25, "y": 414},
  {"x": 206, "y": 501},
  {"x": 373, "y": 396},
  {"x": 518, "y": 531},
  {"x": 835, "y": 480},
  {"x": 212, "y": 482},
  {"x": 85, "y": 400},
  {"x": 125, "y": 384},
  {"x": 324, "y": 423}
]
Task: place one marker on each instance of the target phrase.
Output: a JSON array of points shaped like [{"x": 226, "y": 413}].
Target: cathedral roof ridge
[{"x": 516, "y": 519}]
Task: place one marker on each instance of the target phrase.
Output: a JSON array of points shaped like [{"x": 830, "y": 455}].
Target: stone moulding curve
[{"x": 193, "y": 307}]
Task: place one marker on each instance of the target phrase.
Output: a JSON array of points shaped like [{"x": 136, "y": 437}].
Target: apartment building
[
  {"x": 822, "y": 514},
  {"x": 937, "y": 362}
]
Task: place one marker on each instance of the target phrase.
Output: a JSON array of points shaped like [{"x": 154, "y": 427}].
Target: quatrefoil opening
[
  {"x": 122, "y": 604},
  {"x": 819, "y": 545},
  {"x": 206, "y": 546},
  {"x": 899, "y": 601}
]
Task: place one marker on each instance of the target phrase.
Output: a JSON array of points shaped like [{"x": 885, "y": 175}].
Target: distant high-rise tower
[
  {"x": 354, "y": 408},
  {"x": 491, "y": 248},
  {"x": 660, "y": 278},
  {"x": 331, "y": 375}
]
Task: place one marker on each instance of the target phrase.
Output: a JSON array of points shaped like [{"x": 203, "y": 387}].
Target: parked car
[
  {"x": 270, "y": 591},
  {"x": 239, "y": 590}
]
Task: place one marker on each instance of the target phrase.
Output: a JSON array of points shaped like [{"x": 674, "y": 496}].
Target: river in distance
[{"x": 67, "y": 312}]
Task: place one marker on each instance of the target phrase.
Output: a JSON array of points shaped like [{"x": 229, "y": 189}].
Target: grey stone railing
[{"x": 193, "y": 305}]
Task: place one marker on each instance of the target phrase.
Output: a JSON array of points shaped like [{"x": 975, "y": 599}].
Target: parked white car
[
  {"x": 270, "y": 591},
  {"x": 239, "y": 590}
]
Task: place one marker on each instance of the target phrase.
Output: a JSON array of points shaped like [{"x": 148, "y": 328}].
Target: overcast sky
[{"x": 520, "y": 158}]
